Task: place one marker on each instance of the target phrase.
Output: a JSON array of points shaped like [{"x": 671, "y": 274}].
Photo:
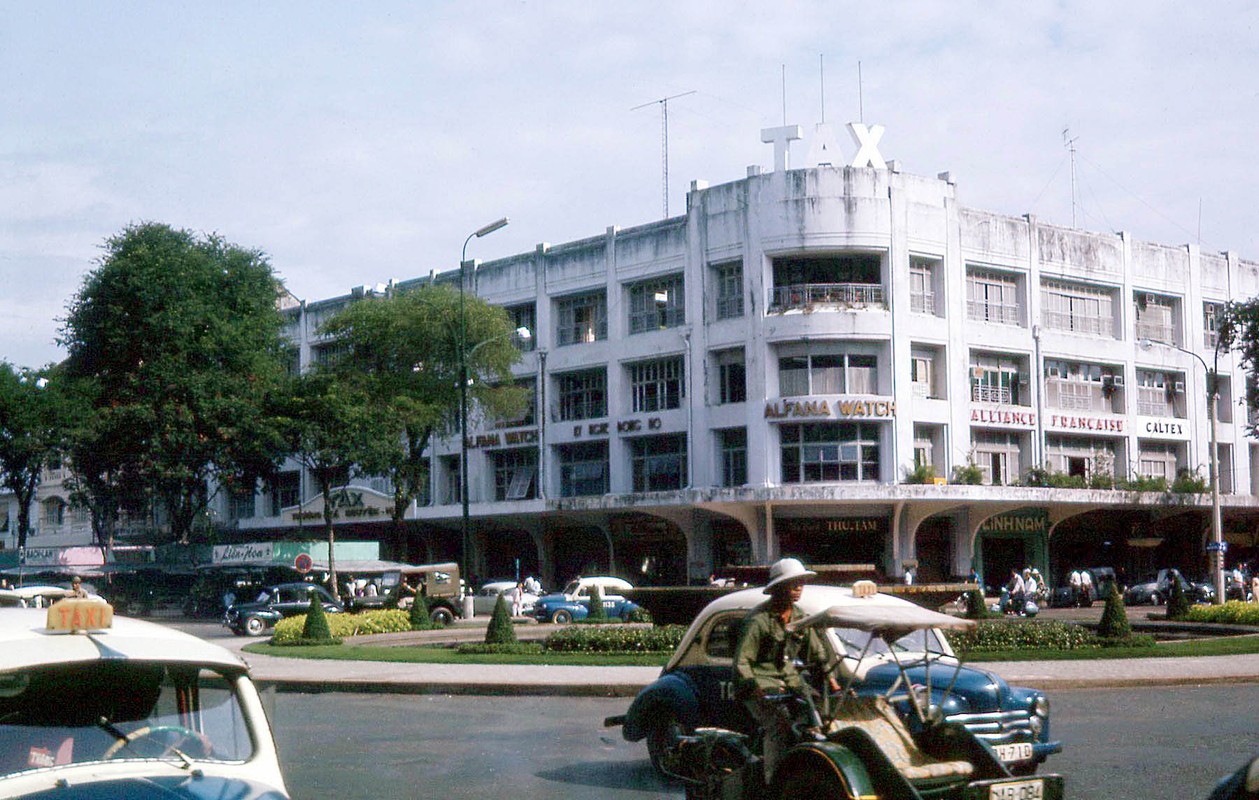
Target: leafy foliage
[
  {"x": 1143, "y": 483},
  {"x": 616, "y": 639},
  {"x": 177, "y": 340},
  {"x": 976, "y": 608},
  {"x": 1114, "y": 624},
  {"x": 418, "y": 613},
  {"x": 34, "y": 414},
  {"x": 968, "y": 474},
  {"x": 1188, "y": 482},
  {"x": 316, "y": 626},
  {"x": 921, "y": 473},
  {"x": 402, "y": 350},
  {"x": 342, "y": 626},
  {"x": 511, "y": 648},
  {"x": 1022, "y": 635},
  {"x": 500, "y": 630},
  {"x": 597, "y": 612},
  {"x": 1177, "y": 601},
  {"x": 1235, "y": 612}
]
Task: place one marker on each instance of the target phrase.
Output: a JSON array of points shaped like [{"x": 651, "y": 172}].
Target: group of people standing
[
  {"x": 1082, "y": 589},
  {"x": 1023, "y": 587}
]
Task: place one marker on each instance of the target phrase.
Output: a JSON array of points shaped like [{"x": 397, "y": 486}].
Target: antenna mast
[
  {"x": 1070, "y": 144},
  {"x": 664, "y": 141}
]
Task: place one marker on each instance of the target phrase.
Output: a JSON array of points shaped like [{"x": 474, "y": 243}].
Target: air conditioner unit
[
  {"x": 1150, "y": 299},
  {"x": 977, "y": 373},
  {"x": 1022, "y": 380},
  {"x": 1178, "y": 387},
  {"x": 1116, "y": 380}
]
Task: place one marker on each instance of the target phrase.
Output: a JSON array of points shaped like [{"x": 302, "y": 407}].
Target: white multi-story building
[{"x": 783, "y": 368}]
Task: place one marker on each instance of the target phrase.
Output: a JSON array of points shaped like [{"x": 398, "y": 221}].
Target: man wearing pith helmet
[{"x": 764, "y": 661}]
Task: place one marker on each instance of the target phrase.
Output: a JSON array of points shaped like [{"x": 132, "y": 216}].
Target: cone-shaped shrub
[
  {"x": 419, "y": 613},
  {"x": 1114, "y": 624},
  {"x": 500, "y": 631},
  {"x": 316, "y": 626},
  {"x": 976, "y": 608},
  {"x": 1177, "y": 600},
  {"x": 597, "y": 612}
]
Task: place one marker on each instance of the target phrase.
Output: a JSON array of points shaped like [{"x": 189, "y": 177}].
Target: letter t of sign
[{"x": 781, "y": 139}]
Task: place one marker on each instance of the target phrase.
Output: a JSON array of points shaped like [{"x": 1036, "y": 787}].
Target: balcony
[{"x": 852, "y": 295}]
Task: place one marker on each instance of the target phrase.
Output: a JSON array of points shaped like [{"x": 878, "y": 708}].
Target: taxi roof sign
[{"x": 79, "y": 614}]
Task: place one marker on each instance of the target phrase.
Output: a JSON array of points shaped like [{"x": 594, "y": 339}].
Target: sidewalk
[{"x": 307, "y": 675}]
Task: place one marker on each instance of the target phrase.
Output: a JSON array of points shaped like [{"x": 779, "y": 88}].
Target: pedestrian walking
[
  {"x": 517, "y": 599},
  {"x": 1077, "y": 587},
  {"x": 1086, "y": 586}
]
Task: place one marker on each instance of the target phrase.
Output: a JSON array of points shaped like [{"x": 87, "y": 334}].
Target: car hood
[
  {"x": 983, "y": 691},
  {"x": 555, "y": 597},
  {"x": 174, "y": 787}
]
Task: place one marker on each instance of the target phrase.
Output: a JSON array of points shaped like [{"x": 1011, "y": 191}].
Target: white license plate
[
  {"x": 1020, "y": 751},
  {"x": 1022, "y": 790}
]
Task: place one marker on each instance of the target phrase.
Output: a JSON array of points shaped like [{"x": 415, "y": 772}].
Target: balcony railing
[
  {"x": 856, "y": 295},
  {"x": 1155, "y": 332},
  {"x": 986, "y": 393},
  {"x": 922, "y": 302},
  {"x": 1077, "y": 323}
]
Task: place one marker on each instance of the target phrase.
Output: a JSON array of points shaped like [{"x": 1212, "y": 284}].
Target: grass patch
[
  {"x": 1222, "y": 646},
  {"x": 447, "y": 655}
]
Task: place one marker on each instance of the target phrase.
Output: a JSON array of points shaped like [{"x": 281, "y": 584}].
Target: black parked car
[
  {"x": 1156, "y": 590},
  {"x": 274, "y": 604}
]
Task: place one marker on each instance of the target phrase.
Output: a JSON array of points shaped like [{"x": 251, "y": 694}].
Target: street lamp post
[
  {"x": 1213, "y": 468},
  {"x": 464, "y": 357}
]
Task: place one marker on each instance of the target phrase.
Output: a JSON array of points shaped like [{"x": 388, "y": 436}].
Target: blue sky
[{"x": 358, "y": 142}]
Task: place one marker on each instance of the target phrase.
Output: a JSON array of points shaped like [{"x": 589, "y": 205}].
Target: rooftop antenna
[
  {"x": 664, "y": 141},
  {"x": 821, "y": 72},
  {"x": 861, "y": 100},
  {"x": 1070, "y": 144},
  {"x": 784, "y": 68}
]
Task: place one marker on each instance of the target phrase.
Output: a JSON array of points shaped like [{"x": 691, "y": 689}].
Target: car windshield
[
  {"x": 118, "y": 710},
  {"x": 572, "y": 588},
  {"x": 854, "y": 642}
]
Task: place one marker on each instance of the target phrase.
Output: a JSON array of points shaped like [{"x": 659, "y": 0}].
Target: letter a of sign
[
  {"x": 867, "y": 141},
  {"x": 823, "y": 149}
]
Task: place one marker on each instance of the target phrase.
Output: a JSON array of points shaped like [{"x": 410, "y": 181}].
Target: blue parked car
[
  {"x": 574, "y": 602},
  {"x": 695, "y": 688}
]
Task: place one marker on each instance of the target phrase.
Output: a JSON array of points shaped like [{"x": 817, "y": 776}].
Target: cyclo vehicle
[{"x": 859, "y": 747}]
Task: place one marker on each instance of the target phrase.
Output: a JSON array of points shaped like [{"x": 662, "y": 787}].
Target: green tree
[
  {"x": 316, "y": 627},
  {"x": 500, "y": 630},
  {"x": 403, "y": 349},
  {"x": 976, "y": 608},
  {"x": 180, "y": 337},
  {"x": 1114, "y": 624},
  {"x": 33, "y": 420},
  {"x": 1177, "y": 600},
  {"x": 419, "y": 613},
  {"x": 597, "y": 612},
  {"x": 327, "y": 424}
]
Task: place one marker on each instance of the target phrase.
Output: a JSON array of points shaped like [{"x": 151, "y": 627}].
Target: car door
[{"x": 710, "y": 666}]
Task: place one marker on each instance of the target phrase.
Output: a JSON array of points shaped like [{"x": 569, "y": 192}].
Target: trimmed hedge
[
  {"x": 500, "y": 631},
  {"x": 341, "y": 626},
  {"x": 1023, "y": 635},
  {"x": 514, "y": 649},
  {"x": 616, "y": 639},
  {"x": 1234, "y": 612}
]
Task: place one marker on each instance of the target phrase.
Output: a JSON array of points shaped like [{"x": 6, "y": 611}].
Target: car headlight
[
  {"x": 1037, "y": 724},
  {"x": 1040, "y": 707}
]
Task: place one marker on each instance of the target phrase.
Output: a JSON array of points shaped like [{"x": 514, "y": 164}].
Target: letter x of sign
[{"x": 867, "y": 141}]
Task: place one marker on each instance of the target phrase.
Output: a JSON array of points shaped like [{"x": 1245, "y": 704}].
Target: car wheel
[
  {"x": 442, "y": 615},
  {"x": 255, "y": 626},
  {"x": 662, "y": 742},
  {"x": 561, "y": 616},
  {"x": 1156, "y": 599}
]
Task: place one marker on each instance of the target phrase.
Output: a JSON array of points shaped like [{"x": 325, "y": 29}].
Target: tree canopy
[
  {"x": 34, "y": 415},
  {"x": 178, "y": 336},
  {"x": 403, "y": 350}
]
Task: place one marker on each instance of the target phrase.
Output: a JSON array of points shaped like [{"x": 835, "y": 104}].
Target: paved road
[{"x": 1121, "y": 744}]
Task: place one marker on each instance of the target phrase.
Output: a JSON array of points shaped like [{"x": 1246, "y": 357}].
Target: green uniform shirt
[{"x": 766, "y": 652}]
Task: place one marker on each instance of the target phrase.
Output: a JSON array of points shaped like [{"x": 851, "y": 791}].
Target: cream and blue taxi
[{"x": 103, "y": 707}]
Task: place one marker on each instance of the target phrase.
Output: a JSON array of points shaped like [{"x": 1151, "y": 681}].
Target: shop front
[{"x": 1012, "y": 540}]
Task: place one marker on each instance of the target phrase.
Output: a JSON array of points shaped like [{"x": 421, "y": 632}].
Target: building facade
[{"x": 803, "y": 364}]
